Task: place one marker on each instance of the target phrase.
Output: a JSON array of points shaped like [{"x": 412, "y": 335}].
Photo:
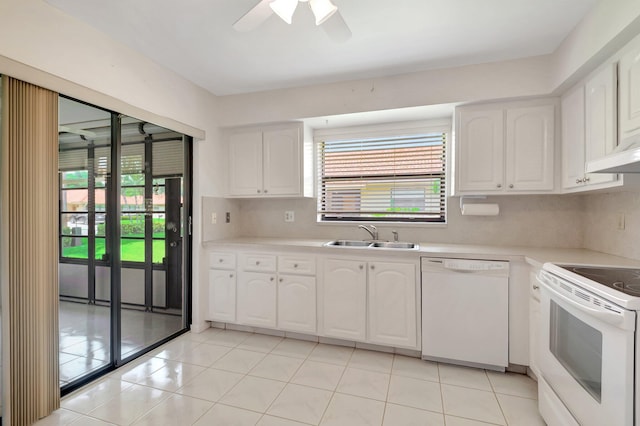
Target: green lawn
[{"x": 131, "y": 250}]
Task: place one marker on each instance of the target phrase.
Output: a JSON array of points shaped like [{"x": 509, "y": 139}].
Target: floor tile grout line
[
  {"x": 294, "y": 374},
  {"x": 306, "y": 358}
]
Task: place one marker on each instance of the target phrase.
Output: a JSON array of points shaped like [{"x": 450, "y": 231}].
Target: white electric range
[{"x": 589, "y": 332}]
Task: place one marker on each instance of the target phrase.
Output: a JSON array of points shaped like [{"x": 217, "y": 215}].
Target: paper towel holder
[
  {"x": 471, "y": 197},
  {"x": 478, "y": 209}
]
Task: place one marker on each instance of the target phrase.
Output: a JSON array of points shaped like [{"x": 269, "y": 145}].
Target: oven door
[{"x": 587, "y": 353}]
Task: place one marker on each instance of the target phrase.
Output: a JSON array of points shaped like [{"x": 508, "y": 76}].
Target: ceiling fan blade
[
  {"x": 254, "y": 17},
  {"x": 336, "y": 28}
]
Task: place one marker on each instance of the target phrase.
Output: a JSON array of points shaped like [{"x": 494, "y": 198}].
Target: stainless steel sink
[
  {"x": 348, "y": 243},
  {"x": 394, "y": 245},
  {"x": 374, "y": 244}
]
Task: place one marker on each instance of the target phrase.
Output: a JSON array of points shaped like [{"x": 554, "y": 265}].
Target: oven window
[{"x": 578, "y": 347}]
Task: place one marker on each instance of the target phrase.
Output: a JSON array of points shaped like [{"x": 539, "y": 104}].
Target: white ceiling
[{"x": 195, "y": 39}]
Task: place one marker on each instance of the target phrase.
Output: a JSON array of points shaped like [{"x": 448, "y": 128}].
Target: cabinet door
[
  {"x": 222, "y": 295},
  {"x": 245, "y": 163},
  {"x": 297, "y": 303},
  {"x": 630, "y": 93},
  {"x": 573, "y": 157},
  {"x": 282, "y": 162},
  {"x": 530, "y": 148},
  {"x": 481, "y": 150},
  {"x": 392, "y": 304},
  {"x": 257, "y": 299},
  {"x": 344, "y": 291},
  {"x": 601, "y": 120},
  {"x": 534, "y": 335}
]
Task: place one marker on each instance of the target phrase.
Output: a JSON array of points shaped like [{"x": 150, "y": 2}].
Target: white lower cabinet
[
  {"x": 356, "y": 299},
  {"x": 222, "y": 295},
  {"x": 297, "y": 303},
  {"x": 257, "y": 299},
  {"x": 392, "y": 304},
  {"x": 222, "y": 287},
  {"x": 534, "y": 323},
  {"x": 369, "y": 301},
  {"x": 344, "y": 299}
]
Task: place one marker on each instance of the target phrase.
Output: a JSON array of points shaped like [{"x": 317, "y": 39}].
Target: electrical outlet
[
  {"x": 214, "y": 218},
  {"x": 621, "y": 220},
  {"x": 289, "y": 216},
  {"x": 228, "y": 217}
]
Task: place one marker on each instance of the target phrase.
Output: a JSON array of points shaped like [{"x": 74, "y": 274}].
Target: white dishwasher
[{"x": 465, "y": 312}]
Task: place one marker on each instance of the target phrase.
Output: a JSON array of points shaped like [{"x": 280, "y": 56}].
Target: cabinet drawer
[
  {"x": 304, "y": 265},
  {"x": 258, "y": 262},
  {"x": 221, "y": 260}
]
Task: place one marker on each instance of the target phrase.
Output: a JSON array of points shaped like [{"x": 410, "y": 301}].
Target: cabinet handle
[
  {"x": 361, "y": 266},
  {"x": 587, "y": 179},
  {"x": 579, "y": 180},
  {"x": 259, "y": 191},
  {"x": 265, "y": 191},
  {"x": 373, "y": 267},
  {"x": 271, "y": 279},
  {"x": 281, "y": 280},
  {"x": 295, "y": 265},
  {"x": 499, "y": 185},
  {"x": 257, "y": 262},
  {"x": 230, "y": 275},
  {"x": 220, "y": 260},
  {"x": 535, "y": 287},
  {"x": 511, "y": 185}
]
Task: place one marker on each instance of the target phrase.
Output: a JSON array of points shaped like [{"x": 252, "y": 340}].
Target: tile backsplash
[{"x": 589, "y": 221}]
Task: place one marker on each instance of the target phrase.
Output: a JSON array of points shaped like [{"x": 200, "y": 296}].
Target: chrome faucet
[{"x": 371, "y": 230}]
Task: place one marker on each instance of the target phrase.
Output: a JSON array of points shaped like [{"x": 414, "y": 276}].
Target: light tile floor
[
  {"x": 85, "y": 335},
  {"x": 225, "y": 377}
]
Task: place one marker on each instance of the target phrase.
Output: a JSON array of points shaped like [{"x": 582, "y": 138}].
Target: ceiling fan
[{"x": 326, "y": 14}]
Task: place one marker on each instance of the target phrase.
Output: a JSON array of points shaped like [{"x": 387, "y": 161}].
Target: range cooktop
[{"x": 626, "y": 280}]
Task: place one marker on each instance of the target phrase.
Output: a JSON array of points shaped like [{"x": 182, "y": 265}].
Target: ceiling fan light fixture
[
  {"x": 322, "y": 10},
  {"x": 284, "y": 9}
]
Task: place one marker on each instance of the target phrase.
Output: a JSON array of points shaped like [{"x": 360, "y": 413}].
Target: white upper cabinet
[
  {"x": 530, "y": 148},
  {"x": 601, "y": 120},
  {"x": 573, "y": 157},
  {"x": 481, "y": 150},
  {"x": 282, "y": 162},
  {"x": 589, "y": 131},
  {"x": 630, "y": 93},
  {"x": 245, "y": 163},
  {"x": 505, "y": 148},
  {"x": 267, "y": 162}
]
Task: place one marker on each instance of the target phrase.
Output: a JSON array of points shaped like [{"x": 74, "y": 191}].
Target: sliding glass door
[
  {"x": 124, "y": 216},
  {"x": 84, "y": 265},
  {"x": 151, "y": 232}
]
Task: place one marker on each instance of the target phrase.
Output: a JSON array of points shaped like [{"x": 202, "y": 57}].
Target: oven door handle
[{"x": 617, "y": 319}]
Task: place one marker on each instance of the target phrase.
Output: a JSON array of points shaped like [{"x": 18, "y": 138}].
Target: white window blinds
[{"x": 391, "y": 179}]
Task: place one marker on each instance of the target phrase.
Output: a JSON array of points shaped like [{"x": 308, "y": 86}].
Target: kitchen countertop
[{"x": 535, "y": 256}]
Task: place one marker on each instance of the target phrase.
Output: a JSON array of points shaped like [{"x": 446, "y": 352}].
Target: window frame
[{"x": 387, "y": 130}]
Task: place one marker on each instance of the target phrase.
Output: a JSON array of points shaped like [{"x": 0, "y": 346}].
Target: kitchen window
[{"x": 390, "y": 178}]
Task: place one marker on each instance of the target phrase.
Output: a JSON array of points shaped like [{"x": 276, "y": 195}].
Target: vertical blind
[
  {"x": 29, "y": 251},
  {"x": 383, "y": 179}
]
